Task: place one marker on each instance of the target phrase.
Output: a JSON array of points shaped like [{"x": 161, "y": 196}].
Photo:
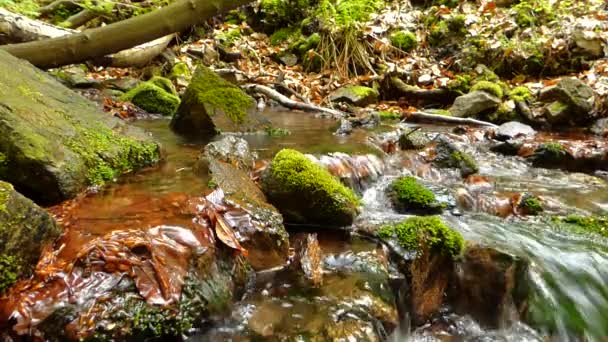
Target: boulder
[
  {"x": 407, "y": 195},
  {"x": 304, "y": 192},
  {"x": 157, "y": 96},
  {"x": 413, "y": 140},
  {"x": 513, "y": 129},
  {"x": 473, "y": 104},
  {"x": 212, "y": 104},
  {"x": 448, "y": 155},
  {"x": 571, "y": 102},
  {"x": 490, "y": 285},
  {"x": 24, "y": 229},
  {"x": 54, "y": 143},
  {"x": 263, "y": 235},
  {"x": 552, "y": 155},
  {"x": 356, "y": 95}
]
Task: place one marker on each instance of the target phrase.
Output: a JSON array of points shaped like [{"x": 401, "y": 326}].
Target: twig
[
  {"x": 289, "y": 103},
  {"x": 428, "y": 117}
]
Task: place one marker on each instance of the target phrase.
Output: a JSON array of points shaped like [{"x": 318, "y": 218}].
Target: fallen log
[
  {"x": 289, "y": 103},
  {"x": 436, "y": 118},
  {"x": 15, "y": 28}
]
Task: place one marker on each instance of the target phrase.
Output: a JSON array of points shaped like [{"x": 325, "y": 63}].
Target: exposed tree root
[{"x": 435, "y": 118}]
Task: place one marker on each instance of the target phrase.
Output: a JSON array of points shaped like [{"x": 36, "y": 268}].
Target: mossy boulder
[
  {"x": 156, "y": 96},
  {"x": 552, "y": 155},
  {"x": 529, "y": 205},
  {"x": 413, "y": 140},
  {"x": 474, "y": 104},
  {"x": 571, "y": 101},
  {"x": 425, "y": 232},
  {"x": 587, "y": 224},
  {"x": 408, "y": 195},
  {"x": 211, "y": 103},
  {"x": 55, "y": 143},
  {"x": 24, "y": 228},
  {"x": 304, "y": 192},
  {"x": 356, "y": 95},
  {"x": 447, "y": 155}
]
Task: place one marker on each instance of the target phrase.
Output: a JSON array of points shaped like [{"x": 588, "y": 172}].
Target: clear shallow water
[{"x": 569, "y": 272}]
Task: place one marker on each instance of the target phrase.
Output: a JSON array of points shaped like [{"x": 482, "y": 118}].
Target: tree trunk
[
  {"x": 15, "y": 28},
  {"x": 97, "y": 42}
]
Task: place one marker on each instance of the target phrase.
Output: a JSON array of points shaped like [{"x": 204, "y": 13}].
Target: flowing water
[{"x": 568, "y": 272}]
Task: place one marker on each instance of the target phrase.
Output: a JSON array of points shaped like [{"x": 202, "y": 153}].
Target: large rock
[
  {"x": 473, "y": 103},
  {"x": 490, "y": 285},
  {"x": 54, "y": 143},
  {"x": 304, "y": 192},
  {"x": 263, "y": 235},
  {"x": 210, "y": 104},
  {"x": 356, "y": 95},
  {"x": 513, "y": 129},
  {"x": 575, "y": 100},
  {"x": 24, "y": 228}
]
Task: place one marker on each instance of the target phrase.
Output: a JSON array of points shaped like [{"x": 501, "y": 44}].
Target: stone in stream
[
  {"x": 490, "y": 285},
  {"x": 232, "y": 150},
  {"x": 600, "y": 127},
  {"x": 513, "y": 129},
  {"x": 263, "y": 234},
  {"x": 473, "y": 104},
  {"x": 413, "y": 140},
  {"x": 307, "y": 193},
  {"x": 54, "y": 143},
  {"x": 407, "y": 195},
  {"x": 436, "y": 247},
  {"x": 447, "y": 155},
  {"x": 212, "y": 104},
  {"x": 552, "y": 155},
  {"x": 356, "y": 95},
  {"x": 24, "y": 229}
]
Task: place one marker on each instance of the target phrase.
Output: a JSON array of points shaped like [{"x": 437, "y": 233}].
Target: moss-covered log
[{"x": 54, "y": 143}]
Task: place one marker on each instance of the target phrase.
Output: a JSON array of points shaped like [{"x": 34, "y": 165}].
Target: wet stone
[
  {"x": 513, "y": 129},
  {"x": 356, "y": 95},
  {"x": 473, "y": 104},
  {"x": 232, "y": 150},
  {"x": 448, "y": 155},
  {"x": 413, "y": 140}
]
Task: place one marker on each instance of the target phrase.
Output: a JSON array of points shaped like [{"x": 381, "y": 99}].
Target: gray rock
[
  {"x": 557, "y": 112},
  {"x": 413, "y": 140},
  {"x": 448, "y": 155},
  {"x": 513, "y": 129},
  {"x": 287, "y": 58},
  {"x": 356, "y": 95},
  {"x": 576, "y": 95},
  {"x": 24, "y": 228},
  {"x": 75, "y": 77},
  {"x": 473, "y": 103},
  {"x": 54, "y": 143},
  {"x": 346, "y": 127},
  {"x": 232, "y": 150},
  {"x": 600, "y": 127}
]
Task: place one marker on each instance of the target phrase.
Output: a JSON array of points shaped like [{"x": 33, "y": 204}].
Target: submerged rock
[
  {"x": 513, "y": 129},
  {"x": 24, "y": 229},
  {"x": 491, "y": 285},
  {"x": 262, "y": 233},
  {"x": 473, "y": 104},
  {"x": 54, "y": 143},
  {"x": 356, "y": 95},
  {"x": 447, "y": 155},
  {"x": 306, "y": 193},
  {"x": 211, "y": 103}
]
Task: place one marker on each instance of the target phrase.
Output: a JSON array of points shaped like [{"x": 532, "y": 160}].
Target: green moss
[
  {"x": 284, "y": 13},
  {"x": 5, "y": 191},
  {"x": 164, "y": 83},
  {"x": 362, "y": 91},
  {"x": 531, "y": 205},
  {"x": 235, "y": 17},
  {"x": 429, "y": 232},
  {"x": 488, "y": 87},
  {"x": 461, "y": 84},
  {"x": 229, "y": 37},
  {"x": 180, "y": 69},
  {"x": 407, "y": 194},
  {"x": 593, "y": 224},
  {"x": 466, "y": 159},
  {"x": 304, "y": 44},
  {"x": 438, "y": 33},
  {"x": 347, "y": 13},
  {"x": 503, "y": 114},
  {"x": 404, "y": 40},
  {"x": 298, "y": 184},
  {"x": 26, "y": 7},
  {"x": 283, "y": 35},
  {"x": 91, "y": 145},
  {"x": 215, "y": 93},
  {"x": 276, "y": 132},
  {"x": 520, "y": 94},
  {"x": 10, "y": 270},
  {"x": 387, "y": 116},
  {"x": 552, "y": 148},
  {"x": 533, "y": 12},
  {"x": 152, "y": 98}
]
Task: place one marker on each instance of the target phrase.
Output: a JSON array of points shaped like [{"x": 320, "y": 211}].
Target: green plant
[
  {"x": 427, "y": 231},
  {"x": 404, "y": 40},
  {"x": 488, "y": 87},
  {"x": 520, "y": 94}
]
